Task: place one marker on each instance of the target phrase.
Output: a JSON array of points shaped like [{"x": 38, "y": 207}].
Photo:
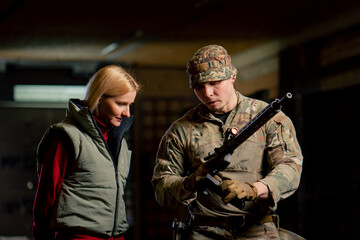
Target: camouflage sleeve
[
  {"x": 285, "y": 158},
  {"x": 168, "y": 172}
]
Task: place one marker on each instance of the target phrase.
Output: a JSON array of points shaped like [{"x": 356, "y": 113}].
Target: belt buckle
[{"x": 234, "y": 224}]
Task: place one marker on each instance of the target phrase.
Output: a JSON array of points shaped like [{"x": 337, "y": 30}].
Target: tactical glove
[
  {"x": 191, "y": 180},
  {"x": 241, "y": 190}
]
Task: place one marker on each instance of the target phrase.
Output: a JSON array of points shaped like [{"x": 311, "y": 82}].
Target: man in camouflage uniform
[{"x": 263, "y": 170}]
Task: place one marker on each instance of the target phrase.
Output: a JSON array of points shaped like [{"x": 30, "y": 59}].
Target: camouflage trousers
[{"x": 264, "y": 231}]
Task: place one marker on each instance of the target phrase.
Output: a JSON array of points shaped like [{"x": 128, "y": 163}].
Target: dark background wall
[
  {"x": 322, "y": 74},
  {"x": 325, "y": 82},
  {"x": 21, "y": 130}
]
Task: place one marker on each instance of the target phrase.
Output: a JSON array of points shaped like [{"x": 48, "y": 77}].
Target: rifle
[{"x": 221, "y": 157}]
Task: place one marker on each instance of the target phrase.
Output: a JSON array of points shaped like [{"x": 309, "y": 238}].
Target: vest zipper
[{"x": 116, "y": 173}]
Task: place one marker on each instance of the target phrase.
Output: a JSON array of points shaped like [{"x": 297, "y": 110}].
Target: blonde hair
[{"x": 109, "y": 81}]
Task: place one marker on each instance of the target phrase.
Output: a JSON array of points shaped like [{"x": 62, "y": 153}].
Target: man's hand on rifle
[
  {"x": 232, "y": 189},
  {"x": 191, "y": 180}
]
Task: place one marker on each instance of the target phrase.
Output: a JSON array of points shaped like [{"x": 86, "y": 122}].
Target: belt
[{"x": 234, "y": 222}]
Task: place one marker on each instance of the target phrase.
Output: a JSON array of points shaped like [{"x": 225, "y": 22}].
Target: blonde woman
[{"x": 83, "y": 163}]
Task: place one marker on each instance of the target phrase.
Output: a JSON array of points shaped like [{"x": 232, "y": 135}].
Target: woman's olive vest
[{"x": 91, "y": 197}]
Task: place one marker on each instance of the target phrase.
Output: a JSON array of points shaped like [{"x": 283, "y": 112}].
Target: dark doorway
[{"x": 331, "y": 164}]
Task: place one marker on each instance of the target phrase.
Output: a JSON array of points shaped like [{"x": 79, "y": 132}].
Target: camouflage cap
[{"x": 210, "y": 63}]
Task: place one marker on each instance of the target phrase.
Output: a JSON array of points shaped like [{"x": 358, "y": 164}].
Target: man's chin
[{"x": 213, "y": 109}]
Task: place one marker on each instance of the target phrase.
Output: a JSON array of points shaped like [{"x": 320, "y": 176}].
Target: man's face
[{"x": 218, "y": 96}]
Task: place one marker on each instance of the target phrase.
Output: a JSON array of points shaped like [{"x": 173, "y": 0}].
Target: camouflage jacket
[{"x": 272, "y": 155}]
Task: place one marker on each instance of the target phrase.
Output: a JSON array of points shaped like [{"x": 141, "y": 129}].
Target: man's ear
[
  {"x": 234, "y": 82},
  {"x": 234, "y": 78}
]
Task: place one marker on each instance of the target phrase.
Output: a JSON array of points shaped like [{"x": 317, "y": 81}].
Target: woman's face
[{"x": 112, "y": 110}]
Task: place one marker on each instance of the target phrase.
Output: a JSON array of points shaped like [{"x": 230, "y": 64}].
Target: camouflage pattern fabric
[
  {"x": 210, "y": 63},
  {"x": 265, "y": 231},
  {"x": 272, "y": 155},
  {"x": 288, "y": 235}
]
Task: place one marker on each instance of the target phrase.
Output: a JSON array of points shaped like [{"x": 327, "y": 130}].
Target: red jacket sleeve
[{"x": 50, "y": 180}]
